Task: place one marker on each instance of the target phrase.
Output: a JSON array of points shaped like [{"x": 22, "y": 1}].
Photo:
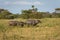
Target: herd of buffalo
[{"x": 27, "y": 22}]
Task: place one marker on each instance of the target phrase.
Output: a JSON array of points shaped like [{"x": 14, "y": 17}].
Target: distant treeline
[
  {"x": 26, "y": 14},
  {"x": 39, "y": 15}
]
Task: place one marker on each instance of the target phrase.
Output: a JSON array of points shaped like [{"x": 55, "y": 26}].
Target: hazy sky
[{"x": 15, "y": 6}]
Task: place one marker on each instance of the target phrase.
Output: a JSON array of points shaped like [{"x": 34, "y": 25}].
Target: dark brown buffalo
[
  {"x": 16, "y": 23},
  {"x": 13, "y": 23}
]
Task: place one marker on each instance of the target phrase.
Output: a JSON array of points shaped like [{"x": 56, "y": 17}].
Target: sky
[{"x": 15, "y": 6}]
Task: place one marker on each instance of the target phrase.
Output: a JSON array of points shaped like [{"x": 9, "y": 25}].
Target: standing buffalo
[{"x": 32, "y": 22}]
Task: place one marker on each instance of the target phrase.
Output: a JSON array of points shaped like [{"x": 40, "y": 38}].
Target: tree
[
  {"x": 26, "y": 11},
  {"x": 5, "y": 14},
  {"x": 33, "y": 6}
]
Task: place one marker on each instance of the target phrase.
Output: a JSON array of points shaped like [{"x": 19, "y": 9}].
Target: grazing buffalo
[
  {"x": 32, "y": 22},
  {"x": 13, "y": 23},
  {"x": 16, "y": 23}
]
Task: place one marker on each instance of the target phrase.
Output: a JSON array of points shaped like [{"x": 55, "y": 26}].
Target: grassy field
[{"x": 49, "y": 29}]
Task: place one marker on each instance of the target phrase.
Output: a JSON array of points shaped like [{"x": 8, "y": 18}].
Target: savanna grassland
[{"x": 48, "y": 29}]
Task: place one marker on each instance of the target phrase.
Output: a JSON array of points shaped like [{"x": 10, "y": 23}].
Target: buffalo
[
  {"x": 32, "y": 22},
  {"x": 13, "y": 23},
  {"x": 16, "y": 23}
]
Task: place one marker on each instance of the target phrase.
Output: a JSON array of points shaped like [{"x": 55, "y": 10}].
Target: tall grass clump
[{"x": 3, "y": 30}]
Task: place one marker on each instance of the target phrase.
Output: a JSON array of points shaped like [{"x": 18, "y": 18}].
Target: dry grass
[{"x": 49, "y": 29}]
